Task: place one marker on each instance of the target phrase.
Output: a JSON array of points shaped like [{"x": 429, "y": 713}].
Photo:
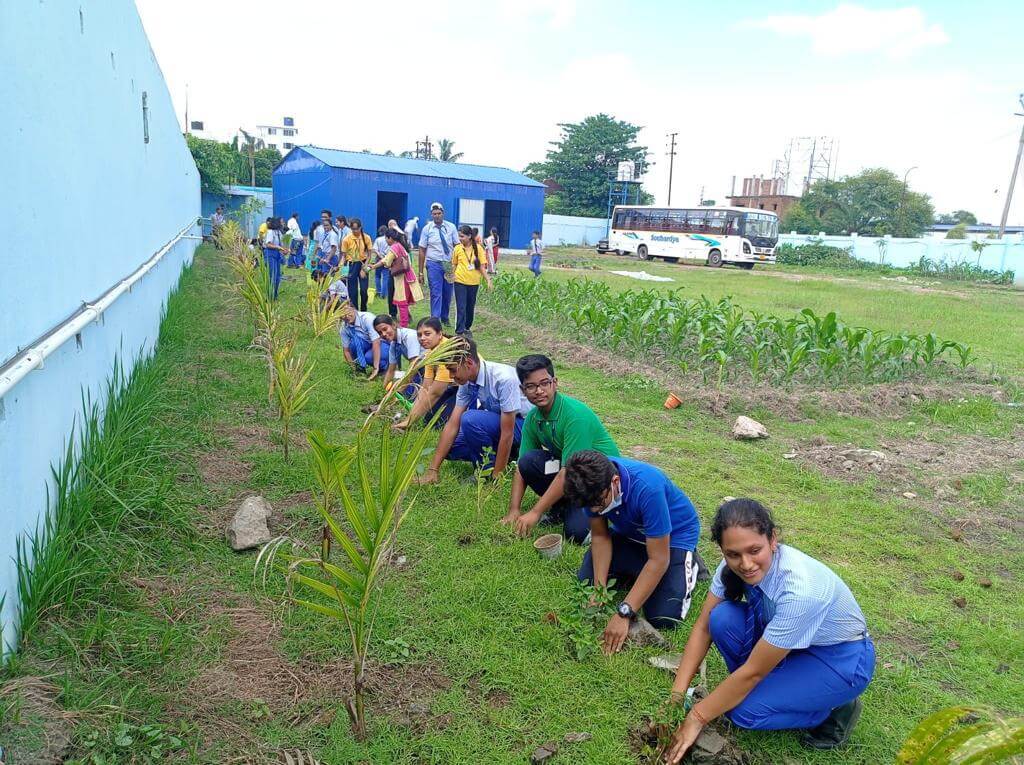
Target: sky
[{"x": 929, "y": 88}]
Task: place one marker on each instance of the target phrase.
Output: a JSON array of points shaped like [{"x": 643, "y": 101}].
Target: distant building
[
  {"x": 375, "y": 188},
  {"x": 973, "y": 231},
  {"x": 764, "y": 194},
  {"x": 283, "y": 137}
]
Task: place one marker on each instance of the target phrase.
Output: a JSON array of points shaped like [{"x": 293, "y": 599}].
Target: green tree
[
  {"x": 958, "y": 216},
  {"x": 216, "y": 162},
  {"x": 446, "y": 151},
  {"x": 959, "y": 231},
  {"x": 873, "y": 203},
  {"x": 582, "y": 162},
  {"x": 265, "y": 161}
]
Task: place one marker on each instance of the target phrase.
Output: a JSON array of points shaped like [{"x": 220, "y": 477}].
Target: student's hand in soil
[
  {"x": 526, "y": 522},
  {"x": 429, "y": 476},
  {"x": 683, "y": 739},
  {"x": 373, "y": 374},
  {"x": 510, "y": 518},
  {"x": 615, "y": 634}
]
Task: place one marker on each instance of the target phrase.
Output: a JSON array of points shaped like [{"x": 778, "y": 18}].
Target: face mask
[{"x": 616, "y": 502}]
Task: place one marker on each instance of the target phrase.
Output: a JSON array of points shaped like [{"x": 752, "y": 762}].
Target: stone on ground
[
  {"x": 544, "y": 753},
  {"x": 747, "y": 428},
  {"x": 642, "y": 632},
  {"x": 248, "y": 529}
]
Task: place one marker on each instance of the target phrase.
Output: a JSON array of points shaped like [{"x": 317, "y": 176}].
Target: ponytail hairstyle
[
  {"x": 750, "y": 514},
  {"x": 472, "y": 233},
  {"x": 494, "y": 233}
]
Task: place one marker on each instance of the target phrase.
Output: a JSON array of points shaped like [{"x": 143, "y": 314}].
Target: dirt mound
[{"x": 40, "y": 732}]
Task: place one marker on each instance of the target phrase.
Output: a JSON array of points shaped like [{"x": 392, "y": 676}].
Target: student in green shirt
[{"x": 557, "y": 428}]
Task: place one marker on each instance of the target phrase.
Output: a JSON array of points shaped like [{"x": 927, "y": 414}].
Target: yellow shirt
[
  {"x": 263, "y": 231},
  {"x": 467, "y": 267},
  {"x": 437, "y": 372},
  {"x": 350, "y": 245}
]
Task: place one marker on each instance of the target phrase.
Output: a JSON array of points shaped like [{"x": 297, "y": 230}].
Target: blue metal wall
[
  {"x": 77, "y": 158},
  {"x": 305, "y": 184}
]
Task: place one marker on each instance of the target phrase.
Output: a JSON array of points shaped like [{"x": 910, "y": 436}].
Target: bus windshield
[{"x": 756, "y": 225}]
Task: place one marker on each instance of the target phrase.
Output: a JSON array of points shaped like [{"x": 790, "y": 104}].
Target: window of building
[
  {"x": 288, "y": 131},
  {"x": 289, "y": 121},
  {"x": 272, "y": 145},
  {"x": 271, "y": 131},
  {"x": 287, "y": 145},
  {"x": 195, "y": 125}
]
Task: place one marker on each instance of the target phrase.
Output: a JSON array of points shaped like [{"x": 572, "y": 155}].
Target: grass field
[{"x": 172, "y": 631}]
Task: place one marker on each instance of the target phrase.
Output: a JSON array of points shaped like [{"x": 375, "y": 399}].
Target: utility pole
[
  {"x": 1013, "y": 177},
  {"x": 810, "y": 166},
  {"x": 671, "y": 164},
  {"x": 424, "y": 149}
]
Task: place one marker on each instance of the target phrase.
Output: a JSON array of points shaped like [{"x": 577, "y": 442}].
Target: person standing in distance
[{"x": 437, "y": 242}]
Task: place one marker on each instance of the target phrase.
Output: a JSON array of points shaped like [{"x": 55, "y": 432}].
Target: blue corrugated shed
[
  {"x": 360, "y": 160},
  {"x": 375, "y": 187}
]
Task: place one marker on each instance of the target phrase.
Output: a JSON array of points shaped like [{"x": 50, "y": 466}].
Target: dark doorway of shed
[
  {"x": 391, "y": 204},
  {"x": 498, "y": 214}
]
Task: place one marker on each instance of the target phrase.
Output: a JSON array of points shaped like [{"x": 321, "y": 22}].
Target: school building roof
[{"x": 358, "y": 160}]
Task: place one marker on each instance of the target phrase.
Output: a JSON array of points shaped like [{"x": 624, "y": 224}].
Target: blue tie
[
  {"x": 754, "y": 619},
  {"x": 445, "y": 245}
]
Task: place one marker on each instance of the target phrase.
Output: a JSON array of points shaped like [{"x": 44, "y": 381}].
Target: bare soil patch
[
  {"x": 222, "y": 468},
  {"x": 40, "y": 733}
]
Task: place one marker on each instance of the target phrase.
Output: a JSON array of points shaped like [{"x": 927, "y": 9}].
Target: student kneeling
[
  {"x": 557, "y": 428},
  {"x": 361, "y": 343},
  {"x": 488, "y": 414},
  {"x": 791, "y": 633},
  {"x": 644, "y": 532}
]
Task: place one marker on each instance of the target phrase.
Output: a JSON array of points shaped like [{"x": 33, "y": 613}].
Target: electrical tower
[
  {"x": 671, "y": 163},
  {"x": 805, "y": 160},
  {"x": 424, "y": 149}
]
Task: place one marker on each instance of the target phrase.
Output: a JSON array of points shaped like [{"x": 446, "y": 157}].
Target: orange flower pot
[{"x": 673, "y": 401}]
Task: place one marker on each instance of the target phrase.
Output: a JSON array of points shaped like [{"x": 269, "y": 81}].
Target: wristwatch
[{"x": 626, "y": 611}]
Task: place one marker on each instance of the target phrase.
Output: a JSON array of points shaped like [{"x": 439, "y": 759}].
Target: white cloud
[
  {"x": 896, "y": 32},
  {"x": 556, "y": 14}
]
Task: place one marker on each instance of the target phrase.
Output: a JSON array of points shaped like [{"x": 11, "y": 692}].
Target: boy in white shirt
[{"x": 536, "y": 253}]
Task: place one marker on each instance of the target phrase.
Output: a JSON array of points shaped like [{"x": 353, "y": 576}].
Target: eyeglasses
[{"x": 542, "y": 385}]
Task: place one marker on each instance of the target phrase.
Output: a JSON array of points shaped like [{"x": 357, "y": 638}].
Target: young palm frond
[
  {"x": 348, "y": 589},
  {"x": 445, "y": 353},
  {"x": 291, "y": 384},
  {"x": 963, "y": 735},
  {"x": 323, "y": 314}
]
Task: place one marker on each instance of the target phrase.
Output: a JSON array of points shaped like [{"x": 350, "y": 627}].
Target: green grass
[{"x": 470, "y": 604}]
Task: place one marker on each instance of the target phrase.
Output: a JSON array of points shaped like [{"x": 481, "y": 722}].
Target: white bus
[{"x": 712, "y": 235}]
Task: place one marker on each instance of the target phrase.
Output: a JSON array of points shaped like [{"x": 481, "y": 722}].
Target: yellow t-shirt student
[
  {"x": 356, "y": 250},
  {"x": 468, "y": 268}
]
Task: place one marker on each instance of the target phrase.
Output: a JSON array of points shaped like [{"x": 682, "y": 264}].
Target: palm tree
[
  {"x": 446, "y": 151},
  {"x": 252, "y": 145}
]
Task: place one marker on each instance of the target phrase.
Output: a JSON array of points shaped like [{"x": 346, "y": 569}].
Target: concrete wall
[
  {"x": 572, "y": 229},
  {"x": 89, "y": 200},
  {"x": 1005, "y": 254}
]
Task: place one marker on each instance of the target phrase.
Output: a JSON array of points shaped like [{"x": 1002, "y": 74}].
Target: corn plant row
[{"x": 723, "y": 341}]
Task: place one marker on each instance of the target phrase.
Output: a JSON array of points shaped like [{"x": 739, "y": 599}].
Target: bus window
[
  {"x": 716, "y": 222},
  {"x": 656, "y": 219},
  {"x": 620, "y": 219},
  {"x": 695, "y": 221},
  {"x": 733, "y": 223},
  {"x": 675, "y": 220}
]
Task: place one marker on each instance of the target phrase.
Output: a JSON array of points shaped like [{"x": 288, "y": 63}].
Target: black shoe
[
  {"x": 836, "y": 729},
  {"x": 703, "y": 574}
]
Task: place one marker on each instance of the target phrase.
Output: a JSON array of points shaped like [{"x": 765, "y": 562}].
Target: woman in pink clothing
[{"x": 407, "y": 289}]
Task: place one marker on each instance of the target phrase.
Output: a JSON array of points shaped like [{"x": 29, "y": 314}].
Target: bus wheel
[
  {"x": 746, "y": 266},
  {"x": 715, "y": 258},
  {"x": 641, "y": 252}
]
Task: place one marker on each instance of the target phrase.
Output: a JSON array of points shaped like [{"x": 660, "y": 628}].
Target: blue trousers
[
  {"x": 445, "y": 405},
  {"x": 804, "y": 688},
  {"x": 273, "y": 259},
  {"x": 576, "y": 524},
  {"x": 440, "y": 290},
  {"x": 358, "y": 285},
  {"x": 362, "y": 352},
  {"x": 535, "y": 264},
  {"x": 668, "y": 604},
  {"x": 296, "y": 258},
  {"x": 479, "y": 429},
  {"x": 465, "y": 306}
]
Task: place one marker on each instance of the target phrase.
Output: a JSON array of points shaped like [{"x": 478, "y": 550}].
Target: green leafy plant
[
  {"x": 323, "y": 314},
  {"x": 291, "y": 385},
  {"x": 487, "y": 485},
  {"x": 963, "y": 736},
  {"x": 583, "y": 622},
  {"x": 128, "y": 743}
]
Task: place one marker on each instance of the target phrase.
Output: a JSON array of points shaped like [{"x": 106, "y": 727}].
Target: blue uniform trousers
[
  {"x": 362, "y": 351},
  {"x": 531, "y": 468},
  {"x": 440, "y": 290},
  {"x": 358, "y": 285},
  {"x": 479, "y": 429},
  {"x": 445, "y": 405},
  {"x": 670, "y": 601},
  {"x": 297, "y": 259},
  {"x": 804, "y": 688},
  {"x": 273, "y": 260},
  {"x": 535, "y": 264}
]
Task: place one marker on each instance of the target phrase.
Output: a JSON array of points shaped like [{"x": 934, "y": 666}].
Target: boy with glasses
[{"x": 553, "y": 432}]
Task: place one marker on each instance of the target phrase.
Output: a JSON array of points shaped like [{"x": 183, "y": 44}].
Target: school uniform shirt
[
  {"x": 356, "y": 248},
  {"x": 804, "y": 602},
  {"x": 536, "y": 247},
  {"x": 496, "y": 389},
  {"x": 438, "y": 372},
  {"x": 293, "y": 229},
  {"x": 433, "y": 236},
  {"x": 380, "y": 245},
  {"x": 570, "y": 427},
  {"x": 261, "y": 232},
  {"x": 339, "y": 289},
  {"x": 328, "y": 238},
  {"x": 652, "y": 506},
  {"x": 406, "y": 344},
  {"x": 362, "y": 326},
  {"x": 272, "y": 237},
  {"x": 466, "y": 268}
]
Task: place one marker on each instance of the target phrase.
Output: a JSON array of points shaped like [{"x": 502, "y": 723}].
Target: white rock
[
  {"x": 668, "y": 662},
  {"x": 728, "y": 499},
  {"x": 746, "y": 428},
  {"x": 909, "y": 495},
  {"x": 789, "y": 455},
  {"x": 248, "y": 528}
]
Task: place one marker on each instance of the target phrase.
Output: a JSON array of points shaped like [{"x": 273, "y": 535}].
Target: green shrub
[
  {"x": 817, "y": 254},
  {"x": 959, "y": 231}
]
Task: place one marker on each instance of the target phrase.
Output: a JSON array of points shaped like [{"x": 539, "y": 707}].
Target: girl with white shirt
[
  {"x": 791, "y": 634},
  {"x": 274, "y": 252}
]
